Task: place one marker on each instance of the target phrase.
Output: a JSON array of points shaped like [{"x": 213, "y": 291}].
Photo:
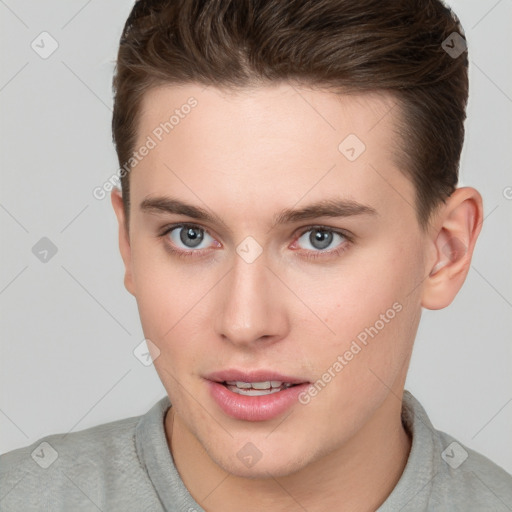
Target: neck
[{"x": 358, "y": 476}]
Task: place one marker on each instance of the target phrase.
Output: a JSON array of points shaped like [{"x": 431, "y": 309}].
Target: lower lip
[{"x": 254, "y": 408}]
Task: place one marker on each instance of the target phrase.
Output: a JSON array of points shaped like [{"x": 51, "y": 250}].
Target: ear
[
  {"x": 124, "y": 239},
  {"x": 457, "y": 226}
]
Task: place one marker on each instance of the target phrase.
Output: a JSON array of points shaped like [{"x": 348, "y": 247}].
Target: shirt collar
[
  {"x": 156, "y": 458},
  {"x": 410, "y": 493}
]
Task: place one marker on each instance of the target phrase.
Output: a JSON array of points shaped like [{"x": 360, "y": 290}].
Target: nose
[{"x": 250, "y": 305}]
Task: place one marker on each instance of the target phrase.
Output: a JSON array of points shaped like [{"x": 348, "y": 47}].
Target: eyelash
[{"x": 310, "y": 255}]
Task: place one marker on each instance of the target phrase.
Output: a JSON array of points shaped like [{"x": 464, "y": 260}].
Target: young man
[{"x": 288, "y": 207}]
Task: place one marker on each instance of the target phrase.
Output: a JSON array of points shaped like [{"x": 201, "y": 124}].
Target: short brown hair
[{"x": 345, "y": 45}]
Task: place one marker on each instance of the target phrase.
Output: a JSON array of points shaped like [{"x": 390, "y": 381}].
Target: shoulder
[
  {"x": 77, "y": 468},
  {"x": 468, "y": 478},
  {"x": 94, "y": 443},
  {"x": 443, "y": 474}
]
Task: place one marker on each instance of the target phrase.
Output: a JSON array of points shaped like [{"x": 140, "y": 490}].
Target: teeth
[
  {"x": 243, "y": 385},
  {"x": 261, "y": 385},
  {"x": 257, "y": 388},
  {"x": 253, "y": 392},
  {"x": 268, "y": 384}
]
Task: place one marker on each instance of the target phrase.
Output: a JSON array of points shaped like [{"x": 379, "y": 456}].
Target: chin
[{"x": 270, "y": 466}]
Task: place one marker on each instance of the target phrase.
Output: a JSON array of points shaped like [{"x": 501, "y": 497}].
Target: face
[{"x": 273, "y": 240}]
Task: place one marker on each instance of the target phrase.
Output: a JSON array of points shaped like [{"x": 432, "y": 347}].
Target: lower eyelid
[
  {"x": 310, "y": 253},
  {"x": 329, "y": 254}
]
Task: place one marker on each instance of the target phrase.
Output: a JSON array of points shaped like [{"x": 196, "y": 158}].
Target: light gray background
[{"x": 69, "y": 327}]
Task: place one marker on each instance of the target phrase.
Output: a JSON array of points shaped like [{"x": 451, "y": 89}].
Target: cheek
[
  {"x": 369, "y": 305},
  {"x": 166, "y": 310},
  {"x": 172, "y": 306},
  {"x": 159, "y": 283},
  {"x": 159, "y": 295}
]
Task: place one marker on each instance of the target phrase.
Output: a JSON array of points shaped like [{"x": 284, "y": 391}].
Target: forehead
[
  {"x": 265, "y": 145},
  {"x": 279, "y": 111}
]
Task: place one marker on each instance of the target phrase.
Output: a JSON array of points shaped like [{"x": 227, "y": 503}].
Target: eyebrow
[{"x": 325, "y": 208}]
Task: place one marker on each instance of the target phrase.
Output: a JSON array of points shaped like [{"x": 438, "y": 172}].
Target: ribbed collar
[{"x": 410, "y": 494}]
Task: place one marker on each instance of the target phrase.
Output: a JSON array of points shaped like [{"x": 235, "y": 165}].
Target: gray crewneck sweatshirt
[{"x": 126, "y": 465}]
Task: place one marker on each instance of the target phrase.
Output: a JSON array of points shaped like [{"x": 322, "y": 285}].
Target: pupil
[
  {"x": 320, "y": 239},
  {"x": 191, "y": 237}
]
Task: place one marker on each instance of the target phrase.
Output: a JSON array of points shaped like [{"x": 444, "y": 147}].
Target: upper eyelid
[
  {"x": 170, "y": 227},
  {"x": 320, "y": 227},
  {"x": 301, "y": 231}
]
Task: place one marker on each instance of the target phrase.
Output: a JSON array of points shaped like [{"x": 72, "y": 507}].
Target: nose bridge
[{"x": 249, "y": 308}]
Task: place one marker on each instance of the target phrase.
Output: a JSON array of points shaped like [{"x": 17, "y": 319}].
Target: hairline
[{"x": 253, "y": 83}]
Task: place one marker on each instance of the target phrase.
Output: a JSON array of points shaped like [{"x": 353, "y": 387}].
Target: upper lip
[{"x": 252, "y": 376}]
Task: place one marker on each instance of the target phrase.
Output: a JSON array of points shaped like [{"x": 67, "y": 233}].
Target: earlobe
[
  {"x": 458, "y": 227},
  {"x": 124, "y": 239}
]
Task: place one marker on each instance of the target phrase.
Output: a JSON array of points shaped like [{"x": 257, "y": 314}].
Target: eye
[
  {"x": 189, "y": 236},
  {"x": 192, "y": 240},
  {"x": 319, "y": 239}
]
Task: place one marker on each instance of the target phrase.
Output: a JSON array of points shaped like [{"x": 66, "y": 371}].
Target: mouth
[
  {"x": 254, "y": 395},
  {"x": 246, "y": 382},
  {"x": 257, "y": 388}
]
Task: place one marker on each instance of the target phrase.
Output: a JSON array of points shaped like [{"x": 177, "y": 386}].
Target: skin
[{"x": 246, "y": 156}]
